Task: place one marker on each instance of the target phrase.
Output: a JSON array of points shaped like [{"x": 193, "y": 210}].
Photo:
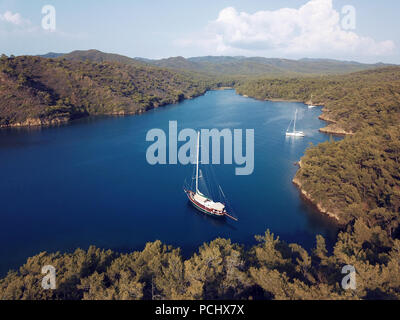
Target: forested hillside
[
  {"x": 352, "y": 102},
  {"x": 356, "y": 177},
  {"x": 40, "y": 91},
  {"x": 99, "y": 56},
  {"x": 219, "y": 270}
]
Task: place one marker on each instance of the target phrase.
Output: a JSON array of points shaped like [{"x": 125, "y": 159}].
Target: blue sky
[{"x": 161, "y": 28}]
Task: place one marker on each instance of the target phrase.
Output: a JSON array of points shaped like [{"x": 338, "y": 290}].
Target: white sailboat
[
  {"x": 311, "y": 105},
  {"x": 294, "y": 133}
]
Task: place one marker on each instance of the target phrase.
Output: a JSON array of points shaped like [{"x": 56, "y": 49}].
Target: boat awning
[
  {"x": 216, "y": 206},
  {"x": 200, "y": 198},
  {"x": 209, "y": 203}
]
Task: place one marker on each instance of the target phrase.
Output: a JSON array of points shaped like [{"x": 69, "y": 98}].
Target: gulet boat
[{"x": 202, "y": 202}]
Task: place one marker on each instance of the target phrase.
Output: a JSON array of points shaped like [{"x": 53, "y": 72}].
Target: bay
[{"x": 88, "y": 183}]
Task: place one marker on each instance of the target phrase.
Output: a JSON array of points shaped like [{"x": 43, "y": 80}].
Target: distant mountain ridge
[
  {"x": 99, "y": 56},
  {"x": 51, "y": 55},
  {"x": 256, "y": 66},
  {"x": 228, "y": 65}
]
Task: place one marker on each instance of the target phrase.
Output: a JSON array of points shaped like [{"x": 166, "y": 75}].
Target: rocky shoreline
[
  {"x": 296, "y": 181},
  {"x": 37, "y": 122},
  {"x": 42, "y": 122},
  {"x": 332, "y": 127},
  {"x": 318, "y": 205}
]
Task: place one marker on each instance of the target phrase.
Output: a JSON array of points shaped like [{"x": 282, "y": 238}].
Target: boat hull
[
  {"x": 295, "y": 134},
  {"x": 203, "y": 209}
]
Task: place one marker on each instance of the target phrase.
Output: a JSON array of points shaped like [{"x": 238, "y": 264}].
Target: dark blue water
[{"x": 89, "y": 182}]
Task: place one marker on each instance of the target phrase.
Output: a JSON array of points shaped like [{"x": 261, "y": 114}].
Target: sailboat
[
  {"x": 200, "y": 201},
  {"x": 311, "y": 105},
  {"x": 294, "y": 133}
]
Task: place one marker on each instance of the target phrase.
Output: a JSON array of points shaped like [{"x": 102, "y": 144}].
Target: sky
[{"x": 358, "y": 30}]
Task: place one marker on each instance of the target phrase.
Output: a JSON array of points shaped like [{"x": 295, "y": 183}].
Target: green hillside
[
  {"x": 98, "y": 56},
  {"x": 351, "y": 101},
  {"x": 272, "y": 269},
  {"x": 40, "y": 91}
]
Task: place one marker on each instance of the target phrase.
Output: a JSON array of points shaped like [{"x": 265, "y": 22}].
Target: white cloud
[
  {"x": 15, "y": 18},
  {"x": 313, "y": 29}
]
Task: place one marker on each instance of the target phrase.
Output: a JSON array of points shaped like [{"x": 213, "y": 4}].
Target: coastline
[
  {"x": 332, "y": 127},
  {"x": 35, "y": 122},
  {"x": 271, "y": 99},
  {"x": 283, "y": 100},
  {"x": 222, "y": 89},
  {"x": 315, "y": 203}
]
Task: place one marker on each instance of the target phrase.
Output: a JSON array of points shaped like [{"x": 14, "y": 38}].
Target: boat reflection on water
[{"x": 214, "y": 221}]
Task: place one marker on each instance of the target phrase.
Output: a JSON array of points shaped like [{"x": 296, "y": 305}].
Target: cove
[{"x": 88, "y": 183}]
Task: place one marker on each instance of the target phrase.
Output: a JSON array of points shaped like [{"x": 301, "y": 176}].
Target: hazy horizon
[
  {"x": 286, "y": 29},
  {"x": 204, "y": 56}
]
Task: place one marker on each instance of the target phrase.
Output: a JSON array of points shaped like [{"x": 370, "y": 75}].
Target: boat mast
[
  {"x": 197, "y": 163},
  {"x": 294, "y": 126}
]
